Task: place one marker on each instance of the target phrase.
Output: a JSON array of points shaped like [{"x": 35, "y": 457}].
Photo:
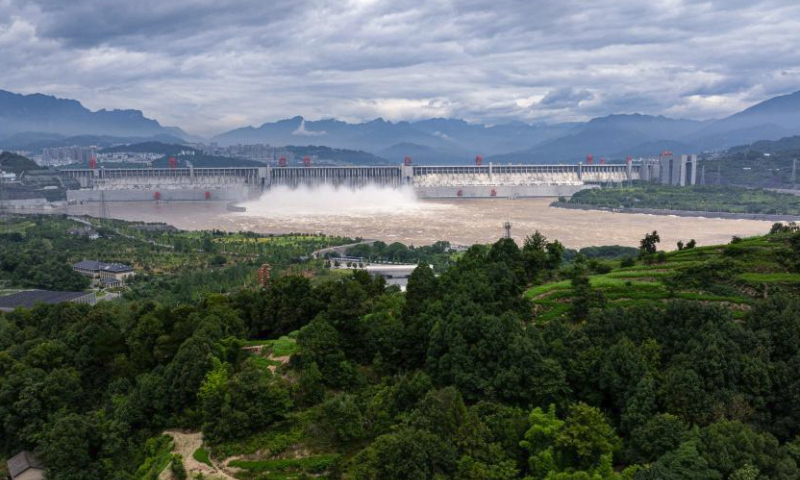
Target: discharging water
[
  {"x": 396, "y": 215},
  {"x": 328, "y": 200}
]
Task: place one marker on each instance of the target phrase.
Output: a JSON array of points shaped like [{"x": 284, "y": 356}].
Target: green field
[
  {"x": 286, "y": 468},
  {"x": 753, "y": 264}
]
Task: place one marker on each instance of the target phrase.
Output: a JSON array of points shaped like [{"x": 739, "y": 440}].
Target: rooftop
[
  {"x": 95, "y": 266},
  {"x": 30, "y": 298},
  {"x": 21, "y": 462}
]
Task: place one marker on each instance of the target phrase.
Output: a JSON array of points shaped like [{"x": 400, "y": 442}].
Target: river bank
[{"x": 681, "y": 213}]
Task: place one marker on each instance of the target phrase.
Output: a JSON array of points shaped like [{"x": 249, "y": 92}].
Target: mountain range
[
  {"x": 614, "y": 137},
  {"x": 45, "y": 114},
  {"x": 36, "y": 120}
]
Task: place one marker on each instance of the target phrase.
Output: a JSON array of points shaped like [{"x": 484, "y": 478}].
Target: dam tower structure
[{"x": 481, "y": 179}]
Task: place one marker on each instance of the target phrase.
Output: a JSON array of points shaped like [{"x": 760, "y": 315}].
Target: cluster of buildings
[
  {"x": 259, "y": 152},
  {"x": 101, "y": 273},
  {"x": 130, "y": 157},
  {"x": 66, "y": 155},
  {"x": 107, "y": 274}
]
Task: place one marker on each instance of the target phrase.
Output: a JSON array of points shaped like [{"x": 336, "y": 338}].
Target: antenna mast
[{"x": 507, "y": 230}]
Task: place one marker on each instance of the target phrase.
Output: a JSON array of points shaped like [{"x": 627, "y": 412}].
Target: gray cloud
[{"x": 212, "y": 65}]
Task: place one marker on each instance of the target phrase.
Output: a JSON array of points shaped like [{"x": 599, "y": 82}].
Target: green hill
[
  {"x": 511, "y": 364},
  {"x": 734, "y": 276},
  {"x": 11, "y": 162},
  {"x": 699, "y": 198}
]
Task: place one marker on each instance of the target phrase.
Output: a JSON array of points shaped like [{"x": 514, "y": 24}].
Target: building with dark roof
[
  {"x": 105, "y": 271},
  {"x": 25, "y": 466},
  {"x": 29, "y": 298}
]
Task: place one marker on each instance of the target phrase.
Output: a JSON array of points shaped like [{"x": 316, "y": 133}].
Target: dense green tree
[
  {"x": 319, "y": 343},
  {"x": 422, "y": 290},
  {"x": 584, "y": 297},
  {"x": 310, "y": 386},
  {"x": 583, "y": 442},
  {"x": 341, "y": 418},
  {"x": 641, "y": 405},
  {"x": 540, "y": 442},
  {"x": 71, "y": 447},
  {"x": 649, "y": 244},
  {"x": 540, "y": 257},
  {"x": 658, "y": 435},
  {"x": 287, "y": 305},
  {"x": 406, "y": 454},
  {"x": 730, "y": 446},
  {"x": 586, "y": 439},
  {"x": 684, "y": 463},
  {"x": 234, "y": 404}
]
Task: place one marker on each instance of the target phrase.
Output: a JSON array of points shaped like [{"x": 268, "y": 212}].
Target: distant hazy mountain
[
  {"x": 617, "y": 136},
  {"x": 35, "y": 142},
  {"x": 438, "y": 140},
  {"x": 442, "y": 140},
  {"x": 423, "y": 154},
  {"x": 608, "y": 137},
  {"x": 371, "y": 136},
  {"x": 787, "y": 144},
  {"x": 446, "y": 137},
  {"x": 46, "y": 114},
  {"x": 783, "y": 110}
]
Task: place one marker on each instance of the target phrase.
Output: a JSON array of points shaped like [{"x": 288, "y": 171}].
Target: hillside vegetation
[
  {"x": 11, "y": 162},
  {"x": 172, "y": 266},
  {"x": 708, "y": 198},
  {"x": 508, "y": 365}
]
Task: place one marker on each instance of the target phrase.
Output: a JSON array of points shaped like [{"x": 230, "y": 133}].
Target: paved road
[
  {"x": 151, "y": 242},
  {"x": 341, "y": 249}
]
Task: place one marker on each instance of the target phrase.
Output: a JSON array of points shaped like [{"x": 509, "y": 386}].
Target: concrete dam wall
[{"x": 242, "y": 183}]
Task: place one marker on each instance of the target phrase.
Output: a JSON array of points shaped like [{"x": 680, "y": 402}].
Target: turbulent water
[
  {"x": 328, "y": 200},
  {"x": 396, "y": 215}
]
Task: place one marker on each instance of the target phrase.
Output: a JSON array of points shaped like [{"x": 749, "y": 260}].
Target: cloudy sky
[{"x": 212, "y": 65}]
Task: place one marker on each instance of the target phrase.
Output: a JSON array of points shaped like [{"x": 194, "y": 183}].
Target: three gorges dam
[{"x": 478, "y": 180}]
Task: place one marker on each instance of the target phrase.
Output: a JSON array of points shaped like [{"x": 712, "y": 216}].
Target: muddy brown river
[{"x": 400, "y": 217}]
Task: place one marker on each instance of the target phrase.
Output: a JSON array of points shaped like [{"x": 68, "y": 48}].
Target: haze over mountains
[{"x": 27, "y": 120}]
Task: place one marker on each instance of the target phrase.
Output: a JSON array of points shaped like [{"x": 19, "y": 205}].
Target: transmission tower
[
  {"x": 2, "y": 197},
  {"x": 794, "y": 172},
  {"x": 103, "y": 206}
]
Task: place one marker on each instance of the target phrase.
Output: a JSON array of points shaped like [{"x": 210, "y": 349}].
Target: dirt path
[{"x": 186, "y": 443}]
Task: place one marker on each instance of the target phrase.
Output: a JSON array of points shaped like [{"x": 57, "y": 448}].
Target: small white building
[{"x": 394, "y": 274}]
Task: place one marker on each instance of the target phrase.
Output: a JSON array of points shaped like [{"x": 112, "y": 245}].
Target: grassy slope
[{"x": 755, "y": 262}]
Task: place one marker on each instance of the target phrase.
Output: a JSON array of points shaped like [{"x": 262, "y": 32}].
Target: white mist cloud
[
  {"x": 303, "y": 132},
  {"x": 324, "y": 200}
]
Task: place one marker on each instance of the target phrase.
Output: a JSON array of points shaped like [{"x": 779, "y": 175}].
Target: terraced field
[{"x": 734, "y": 275}]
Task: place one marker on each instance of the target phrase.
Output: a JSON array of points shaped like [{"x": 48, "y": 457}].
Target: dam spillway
[{"x": 444, "y": 181}]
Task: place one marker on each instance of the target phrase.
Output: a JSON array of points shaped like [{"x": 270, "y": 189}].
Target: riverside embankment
[{"x": 681, "y": 213}]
